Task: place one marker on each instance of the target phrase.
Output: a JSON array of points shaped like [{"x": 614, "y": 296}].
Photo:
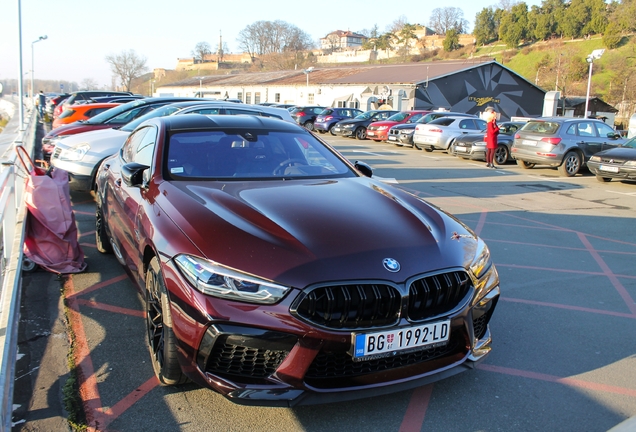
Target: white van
[{"x": 631, "y": 129}]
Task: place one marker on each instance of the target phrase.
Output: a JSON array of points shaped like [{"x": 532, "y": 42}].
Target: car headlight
[
  {"x": 75, "y": 153},
  {"x": 479, "y": 263},
  {"x": 348, "y": 126},
  {"x": 630, "y": 163},
  {"x": 595, "y": 159},
  {"x": 407, "y": 131},
  {"x": 216, "y": 280},
  {"x": 382, "y": 127},
  {"x": 479, "y": 144}
]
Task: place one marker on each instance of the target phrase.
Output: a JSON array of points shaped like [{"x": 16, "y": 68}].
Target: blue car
[{"x": 330, "y": 116}]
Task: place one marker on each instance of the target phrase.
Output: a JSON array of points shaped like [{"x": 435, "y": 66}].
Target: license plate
[
  {"x": 370, "y": 133},
  {"x": 607, "y": 168},
  {"x": 392, "y": 138},
  {"x": 529, "y": 142},
  {"x": 461, "y": 149},
  {"x": 391, "y": 342}
]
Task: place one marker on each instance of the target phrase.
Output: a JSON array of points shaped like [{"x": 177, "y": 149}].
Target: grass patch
[{"x": 72, "y": 400}]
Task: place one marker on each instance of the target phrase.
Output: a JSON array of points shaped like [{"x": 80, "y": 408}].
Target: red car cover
[{"x": 51, "y": 234}]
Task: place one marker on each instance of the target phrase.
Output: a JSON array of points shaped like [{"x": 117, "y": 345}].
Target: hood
[
  {"x": 74, "y": 128},
  {"x": 400, "y": 126},
  {"x": 102, "y": 141},
  {"x": 306, "y": 231},
  {"x": 619, "y": 153}
]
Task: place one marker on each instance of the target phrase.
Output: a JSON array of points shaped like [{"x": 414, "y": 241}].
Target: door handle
[{"x": 118, "y": 182}]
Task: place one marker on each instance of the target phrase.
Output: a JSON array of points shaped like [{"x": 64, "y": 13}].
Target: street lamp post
[
  {"x": 32, "y": 43},
  {"x": 307, "y": 72},
  {"x": 596, "y": 54}
]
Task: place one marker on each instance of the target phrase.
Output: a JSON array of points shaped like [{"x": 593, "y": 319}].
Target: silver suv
[{"x": 566, "y": 143}]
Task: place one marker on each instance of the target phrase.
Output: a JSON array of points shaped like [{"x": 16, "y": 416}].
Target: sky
[{"x": 80, "y": 34}]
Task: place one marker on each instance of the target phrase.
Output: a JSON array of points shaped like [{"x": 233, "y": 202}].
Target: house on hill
[
  {"x": 462, "y": 86},
  {"x": 339, "y": 40}
]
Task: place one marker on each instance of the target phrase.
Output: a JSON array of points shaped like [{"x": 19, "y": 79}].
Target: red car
[
  {"x": 267, "y": 279},
  {"x": 81, "y": 112},
  {"x": 379, "y": 131}
]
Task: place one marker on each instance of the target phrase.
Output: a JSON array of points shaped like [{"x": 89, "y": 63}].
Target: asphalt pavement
[{"x": 564, "y": 350}]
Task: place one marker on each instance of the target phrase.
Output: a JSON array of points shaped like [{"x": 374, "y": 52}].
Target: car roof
[{"x": 212, "y": 122}]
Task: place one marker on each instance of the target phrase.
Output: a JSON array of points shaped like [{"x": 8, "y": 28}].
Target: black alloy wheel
[
  {"x": 501, "y": 155},
  {"x": 101, "y": 238},
  {"x": 161, "y": 339}
]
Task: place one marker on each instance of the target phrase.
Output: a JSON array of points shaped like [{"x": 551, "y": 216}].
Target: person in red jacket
[{"x": 492, "y": 130}]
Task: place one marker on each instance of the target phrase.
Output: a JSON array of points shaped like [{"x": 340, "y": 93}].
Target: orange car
[{"x": 81, "y": 112}]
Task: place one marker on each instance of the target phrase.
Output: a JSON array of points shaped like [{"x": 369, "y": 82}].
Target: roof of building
[
  {"x": 406, "y": 74},
  {"x": 597, "y": 104}
]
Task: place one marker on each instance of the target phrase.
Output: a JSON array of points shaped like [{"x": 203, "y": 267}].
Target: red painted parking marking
[
  {"x": 82, "y": 357},
  {"x": 569, "y": 307},
  {"x": 120, "y": 407},
  {"x": 572, "y": 382},
  {"x": 606, "y": 251},
  {"x": 109, "y": 308},
  {"x": 84, "y": 213},
  {"x": 416, "y": 411},
  {"x": 629, "y": 301},
  {"x": 558, "y": 270},
  {"x": 481, "y": 223},
  {"x": 86, "y": 233},
  {"x": 99, "y": 285}
]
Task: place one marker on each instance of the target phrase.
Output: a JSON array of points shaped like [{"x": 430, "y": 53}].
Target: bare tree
[
  {"x": 397, "y": 25},
  {"x": 446, "y": 18},
  {"x": 88, "y": 84},
  {"x": 268, "y": 37},
  {"x": 126, "y": 66},
  {"x": 201, "y": 49}
]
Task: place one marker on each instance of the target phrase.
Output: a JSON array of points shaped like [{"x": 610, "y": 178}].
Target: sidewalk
[{"x": 43, "y": 348}]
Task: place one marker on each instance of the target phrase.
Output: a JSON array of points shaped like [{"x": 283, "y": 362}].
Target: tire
[
  {"x": 501, "y": 155},
  {"x": 321, "y": 131},
  {"x": 361, "y": 133},
  {"x": 524, "y": 164},
  {"x": 428, "y": 149},
  {"x": 331, "y": 130},
  {"x": 161, "y": 340},
  {"x": 101, "y": 237},
  {"x": 309, "y": 125},
  {"x": 603, "y": 179},
  {"x": 571, "y": 164},
  {"x": 28, "y": 266}
]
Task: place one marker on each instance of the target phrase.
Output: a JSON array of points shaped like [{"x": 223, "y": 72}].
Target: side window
[
  {"x": 129, "y": 149},
  {"x": 586, "y": 129},
  {"x": 146, "y": 147},
  {"x": 604, "y": 129},
  {"x": 481, "y": 125},
  {"x": 571, "y": 130},
  {"x": 466, "y": 124},
  {"x": 206, "y": 111}
]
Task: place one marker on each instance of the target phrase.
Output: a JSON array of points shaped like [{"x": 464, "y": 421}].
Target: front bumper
[
  {"x": 623, "y": 172},
  {"x": 269, "y": 356},
  {"x": 80, "y": 173}
]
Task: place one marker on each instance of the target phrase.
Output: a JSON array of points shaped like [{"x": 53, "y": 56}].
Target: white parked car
[{"x": 440, "y": 133}]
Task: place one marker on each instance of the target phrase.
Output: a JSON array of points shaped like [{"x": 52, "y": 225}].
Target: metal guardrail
[{"x": 12, "y": 218}]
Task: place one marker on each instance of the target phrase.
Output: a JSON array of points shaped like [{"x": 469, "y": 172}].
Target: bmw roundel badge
[{"x": 391, "y": 265}]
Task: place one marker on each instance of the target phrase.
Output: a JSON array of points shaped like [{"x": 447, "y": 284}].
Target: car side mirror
[
  {"x": 364, "y": 168},
  {"x": 133, "y": 173}
]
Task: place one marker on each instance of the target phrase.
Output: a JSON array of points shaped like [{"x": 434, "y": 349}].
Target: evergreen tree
[{"x": 484, "y": 31}]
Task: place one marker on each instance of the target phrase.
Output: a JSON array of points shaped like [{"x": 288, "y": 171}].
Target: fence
[{"x": 12, "y": 217}]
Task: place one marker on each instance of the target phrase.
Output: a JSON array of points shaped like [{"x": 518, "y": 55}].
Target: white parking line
[
  {"x": 366, "y": 152},
  {"x": 622, "y": 193}
]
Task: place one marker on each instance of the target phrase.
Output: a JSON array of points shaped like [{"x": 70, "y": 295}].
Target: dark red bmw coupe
[{"x": 278, "y": 273}]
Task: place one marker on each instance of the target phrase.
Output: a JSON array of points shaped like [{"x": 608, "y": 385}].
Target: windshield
[
  {"x": 237, "y": 155},
  {"x": 631, "y": 143},
  {"x": 398, "y": 117},
  {"x": 113, "y": 112},
  {"x": 364, "y": 116},
  {"x": 163, "y": 111}
]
